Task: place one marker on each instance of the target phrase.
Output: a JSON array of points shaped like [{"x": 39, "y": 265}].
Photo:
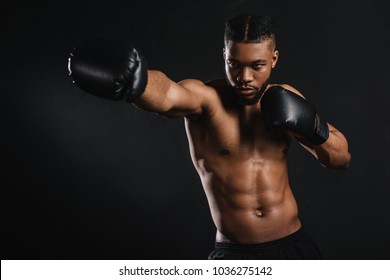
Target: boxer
[{"x": 239, "y": 131}]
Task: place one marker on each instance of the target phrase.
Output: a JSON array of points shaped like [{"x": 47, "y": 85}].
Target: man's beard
[{"x": 253, "y": 100}]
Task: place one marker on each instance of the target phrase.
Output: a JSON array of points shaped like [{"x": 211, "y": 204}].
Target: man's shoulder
[
  {"x": 283, "y": 85},
  {"x": 211, "y": 93},
  {"x": 288, "y": 87},
  {"x": 210, "y": 88}
]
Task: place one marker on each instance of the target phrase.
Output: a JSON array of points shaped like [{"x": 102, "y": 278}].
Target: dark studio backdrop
[{"x": 87, "y": 178}]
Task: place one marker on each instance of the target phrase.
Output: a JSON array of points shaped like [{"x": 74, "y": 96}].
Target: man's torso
[{"x": 243, "y": 169}]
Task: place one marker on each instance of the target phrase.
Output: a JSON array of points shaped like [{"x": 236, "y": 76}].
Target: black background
[{"x": 87, "y": 178}]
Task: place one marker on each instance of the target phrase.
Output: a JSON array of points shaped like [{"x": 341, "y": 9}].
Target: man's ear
[
  {"x": 224, "y": 53},
  {"x": 275, "y": 58}
]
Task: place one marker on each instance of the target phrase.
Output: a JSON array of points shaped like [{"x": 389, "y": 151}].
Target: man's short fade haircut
[{"x": 250, "y": 28}]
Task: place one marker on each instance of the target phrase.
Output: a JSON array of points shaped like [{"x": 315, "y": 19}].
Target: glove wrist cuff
[{"x": 321, "y": 133}]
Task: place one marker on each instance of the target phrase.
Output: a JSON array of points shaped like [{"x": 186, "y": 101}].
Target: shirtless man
[{"x": 239, "y": 131}]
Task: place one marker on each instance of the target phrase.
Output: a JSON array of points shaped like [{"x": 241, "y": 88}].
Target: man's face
[{"x": 248, "y": 68}]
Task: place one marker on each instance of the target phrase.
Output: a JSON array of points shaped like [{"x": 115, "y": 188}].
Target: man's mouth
[{"x": 246, "y": 90}]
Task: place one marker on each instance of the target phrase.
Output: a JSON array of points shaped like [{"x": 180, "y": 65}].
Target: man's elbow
[
  {"x": 340, "y": 162},
  {"x": 344, "y": 163}
]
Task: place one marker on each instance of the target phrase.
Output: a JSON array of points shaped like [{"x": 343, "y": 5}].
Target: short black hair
[{"x": 250, "y": 28}]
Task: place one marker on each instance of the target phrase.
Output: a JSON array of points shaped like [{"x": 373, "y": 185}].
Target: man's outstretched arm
[
  {"x": 117, "y": 70},
  {"x": 166, "y": 97}
]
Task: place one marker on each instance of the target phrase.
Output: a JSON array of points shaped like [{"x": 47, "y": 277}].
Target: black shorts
[{"x": 297, "y": 246}]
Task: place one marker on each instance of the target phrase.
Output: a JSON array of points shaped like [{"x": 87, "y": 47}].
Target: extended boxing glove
[
  {"x": 283, "y": 108},
  {"x": 110, "y": 69}
]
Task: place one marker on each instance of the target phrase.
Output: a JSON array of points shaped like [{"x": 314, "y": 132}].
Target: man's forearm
[
  {"x": 154, "y": 98},
  {"x": 334, "y": 152}
]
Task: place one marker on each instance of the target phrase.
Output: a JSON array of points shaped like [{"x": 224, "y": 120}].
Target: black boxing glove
[
  {"x": 110, "y": 69},
  {"x": 283, "y": 108}
]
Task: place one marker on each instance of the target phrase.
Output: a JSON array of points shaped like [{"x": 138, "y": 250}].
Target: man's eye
[
  {"x": 232, "y": 64},
  {"x": 258, "y": 66}
]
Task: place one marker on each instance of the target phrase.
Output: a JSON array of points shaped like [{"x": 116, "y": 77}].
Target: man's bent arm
[{"x": 333, "y": 153}]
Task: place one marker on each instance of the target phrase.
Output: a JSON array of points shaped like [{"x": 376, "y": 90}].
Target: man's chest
[{"x": 229, "y": 134}]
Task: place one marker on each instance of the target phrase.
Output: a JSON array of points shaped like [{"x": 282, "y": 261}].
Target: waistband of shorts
[{"x": 297, "y": 236}]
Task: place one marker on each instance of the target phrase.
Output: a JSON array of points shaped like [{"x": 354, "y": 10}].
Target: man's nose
[{"x": 245, "y": 75}]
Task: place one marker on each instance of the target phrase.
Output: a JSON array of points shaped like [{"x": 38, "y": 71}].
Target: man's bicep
[
  {"x": 187, "y": 98},
  {"x": 166, "y": 97}
]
